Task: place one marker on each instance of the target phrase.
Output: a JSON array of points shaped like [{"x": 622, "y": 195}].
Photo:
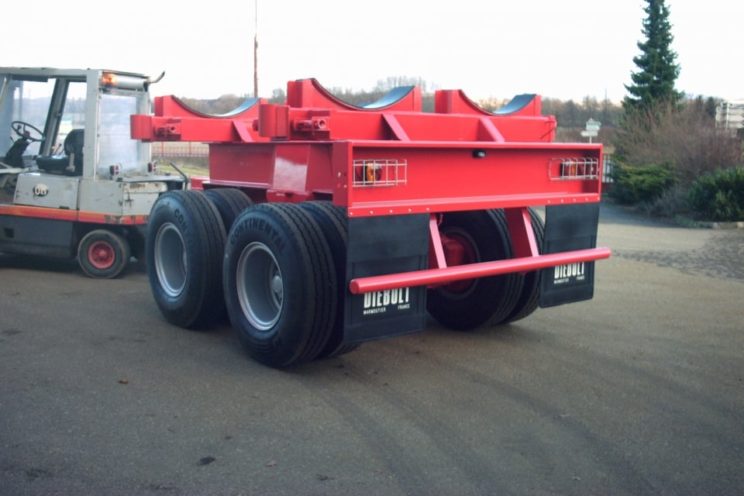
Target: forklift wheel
[
  {"x": 279, "y": 284},
  {"x": 103, "y": 254}
]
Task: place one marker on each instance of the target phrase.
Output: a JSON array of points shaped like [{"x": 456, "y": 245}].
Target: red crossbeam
[{"x": 473, "y": 271}]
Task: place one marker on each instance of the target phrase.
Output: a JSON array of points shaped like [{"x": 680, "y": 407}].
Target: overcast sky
[{"x": 495, "y": 48}]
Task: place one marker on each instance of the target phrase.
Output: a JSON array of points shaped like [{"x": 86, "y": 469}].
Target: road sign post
[{"x": 592, "y": 129}]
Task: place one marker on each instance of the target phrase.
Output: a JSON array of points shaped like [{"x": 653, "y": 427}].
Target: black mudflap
[
  {"x": 567, "y": 228},
  {"x": 385, "y": 245}
]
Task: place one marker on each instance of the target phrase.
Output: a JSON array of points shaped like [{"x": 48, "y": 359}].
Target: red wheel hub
[
  {"x": 101, "y": 255},
  {"x": 458, "y": 250}
]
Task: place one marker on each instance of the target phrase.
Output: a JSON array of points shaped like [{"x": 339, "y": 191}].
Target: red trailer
[{"x": 323, "y": 225}]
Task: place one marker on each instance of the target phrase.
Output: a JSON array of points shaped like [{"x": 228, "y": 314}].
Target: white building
[{"x": 730, "y": 115}]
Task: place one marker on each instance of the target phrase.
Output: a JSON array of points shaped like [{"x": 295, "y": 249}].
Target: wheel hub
[
  {"x": 459, "y": 249},
  {"x": 170, "y": 259},
  {"x": 260, "y": 286},
  {"x": 101, "y": 255}
]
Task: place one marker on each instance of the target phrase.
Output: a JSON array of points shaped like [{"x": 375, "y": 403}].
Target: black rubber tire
[
  {"x": 115, "y": 247},
  {"x": 530, "y": 297},
  {"x": 185, "y": 274},
  {"x": 488, "y": 299},
  {"x": 229, "y": 203},
  {"x": 333, "y": 222},
  {"x": 289, "y": 242}
]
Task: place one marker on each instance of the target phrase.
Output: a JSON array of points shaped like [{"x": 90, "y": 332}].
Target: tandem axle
[{"x": 323, "y": 225}]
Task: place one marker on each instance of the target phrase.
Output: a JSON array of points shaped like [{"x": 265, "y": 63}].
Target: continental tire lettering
[
  {"x": 184, "y": 226},
  {"x": 235, "y": 233},
  {"x": 259, "y": 225}
]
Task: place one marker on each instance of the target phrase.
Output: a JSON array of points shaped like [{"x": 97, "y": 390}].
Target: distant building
[{"x": 730, "y": 115}]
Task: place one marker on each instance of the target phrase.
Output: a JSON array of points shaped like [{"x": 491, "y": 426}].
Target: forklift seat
[{"x": 71, "y": 162}]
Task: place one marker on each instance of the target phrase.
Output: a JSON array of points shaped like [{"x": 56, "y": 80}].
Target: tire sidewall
[
  {"x": 170, "y": 209},
  {"x": 280, "y": 344},
  {"x": 334, "y": 227},
  {"x": 229, "y": 202}
]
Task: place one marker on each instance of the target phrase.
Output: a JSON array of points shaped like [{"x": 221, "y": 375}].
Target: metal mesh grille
[
  {"x": 379, "y": 173},
  {"x": 577, "y": 168}
]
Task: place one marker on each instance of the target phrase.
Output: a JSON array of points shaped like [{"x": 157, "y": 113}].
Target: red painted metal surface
[
  {"x": 445, "y": 176},
  {"x": 458, "y": 250},
  {"x": 390, "y": 158},
  {"x": 459, "y": 158},
  {"x": 473, "y": 271},
  {"x": 437, "y": 248},
  {"x": 197, "y": 182},
  {"x": 521, "y": 233},
  {"x": 457, "y": 102},
  {"x": 308, "y": 93},
  {"x": 101, "y": 255}
]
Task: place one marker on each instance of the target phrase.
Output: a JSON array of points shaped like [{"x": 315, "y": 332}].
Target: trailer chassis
[{"x": 399, "y": 210}]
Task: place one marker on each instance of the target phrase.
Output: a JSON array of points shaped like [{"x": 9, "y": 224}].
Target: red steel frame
[{"x": 460, "y": 157}]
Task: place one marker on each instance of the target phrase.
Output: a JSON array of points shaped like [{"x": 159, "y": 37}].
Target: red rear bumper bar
[{"x": 473, "y": 271}]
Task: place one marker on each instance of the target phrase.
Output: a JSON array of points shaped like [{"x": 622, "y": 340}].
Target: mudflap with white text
[
  {"x": 567, "y": 228},
  {"x": 378, "y": 246}
]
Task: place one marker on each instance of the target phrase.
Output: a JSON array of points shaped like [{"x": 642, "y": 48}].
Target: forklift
[{"x": 73, "y": 183}]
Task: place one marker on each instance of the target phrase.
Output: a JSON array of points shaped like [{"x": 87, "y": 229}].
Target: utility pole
[{"x": 255, "y": 51}]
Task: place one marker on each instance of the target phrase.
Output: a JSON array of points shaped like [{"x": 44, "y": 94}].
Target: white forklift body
[{"x": 72, "y": 181}]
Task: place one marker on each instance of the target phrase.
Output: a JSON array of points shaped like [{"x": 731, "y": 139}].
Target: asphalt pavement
[{"x": 639, "y": 391}]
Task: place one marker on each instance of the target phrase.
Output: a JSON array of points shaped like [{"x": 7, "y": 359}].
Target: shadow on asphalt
[
  {"x": 11, "y": 261},
  {"x": 32, "y": 262}
]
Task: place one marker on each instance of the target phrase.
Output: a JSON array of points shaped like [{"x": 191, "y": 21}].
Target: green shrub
[
  {"x": 719, "y": 196},
  {"x": 672, "y": 202},
  {"x": 636, "y": 184}
]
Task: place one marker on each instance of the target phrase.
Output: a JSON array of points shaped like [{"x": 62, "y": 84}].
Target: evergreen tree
[
  {"x": 710, "y": 107},
  {"x": 653, "y": 84}
]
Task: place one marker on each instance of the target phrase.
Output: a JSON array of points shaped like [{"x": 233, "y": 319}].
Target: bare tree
[{"x": 685, "y": 139}]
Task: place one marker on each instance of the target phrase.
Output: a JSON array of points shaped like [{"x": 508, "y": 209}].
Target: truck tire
[
  {"x": 103, "y": 254},
  {"x": 229, "y": 203},
  {"x": 466, "y": 305},
  {"x": 184, "y": 248},
  {"x": 530, "y": 296},
  {"x": 333, "y": 222},
  {"x": 279, "y": 284}
]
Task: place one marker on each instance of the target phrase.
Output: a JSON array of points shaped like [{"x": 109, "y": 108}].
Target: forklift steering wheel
[{"x": 23, "y": 130}]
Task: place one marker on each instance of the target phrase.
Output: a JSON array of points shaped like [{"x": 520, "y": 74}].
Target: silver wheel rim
[
  {"x": 260, "y": 286},
  {"x": 170, "y": 259}
]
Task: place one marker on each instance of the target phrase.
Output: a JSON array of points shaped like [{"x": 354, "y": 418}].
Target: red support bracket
[
  {"x": 395, "y": 127},
  {"x": 522, "y": 236},
  {"x": 436, "y": 249}
]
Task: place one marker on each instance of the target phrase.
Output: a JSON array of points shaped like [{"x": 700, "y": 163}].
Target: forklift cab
[
  {"x": 71, "y": 122},
  {"x": 69, "y": 167}
]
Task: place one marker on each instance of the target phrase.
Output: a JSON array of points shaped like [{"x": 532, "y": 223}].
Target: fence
[
  {"x": 180, "y": 150},
  {"x": 608, "y": 164}
]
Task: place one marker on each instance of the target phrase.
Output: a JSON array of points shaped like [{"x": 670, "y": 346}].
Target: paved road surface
[{"x": 640, "y": 391}]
